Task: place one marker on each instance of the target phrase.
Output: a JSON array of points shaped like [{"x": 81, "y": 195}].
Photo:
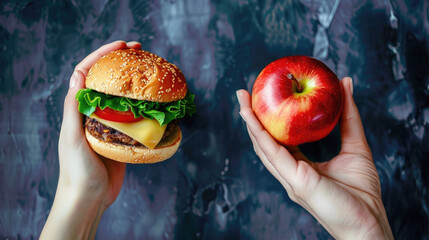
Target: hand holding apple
[
  {"x": 344, "y": 193},
  {"x": 298, "y": 99}
]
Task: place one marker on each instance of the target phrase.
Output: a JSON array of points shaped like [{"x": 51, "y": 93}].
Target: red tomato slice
[{"x": 116, "y": 116}]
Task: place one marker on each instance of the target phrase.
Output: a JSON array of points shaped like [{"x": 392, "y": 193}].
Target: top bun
[{"x": 137, "y": 74}]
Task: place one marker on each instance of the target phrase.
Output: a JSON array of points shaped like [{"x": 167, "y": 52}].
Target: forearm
[
  {"x": 73, "y": 216},
  {"x": 96, "y": 222}
]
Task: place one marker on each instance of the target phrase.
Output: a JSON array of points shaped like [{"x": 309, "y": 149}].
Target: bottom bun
[{"x": 135, "y": 154}]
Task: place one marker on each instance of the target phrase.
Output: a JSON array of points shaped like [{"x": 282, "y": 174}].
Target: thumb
[
  {"x": 353, "y": 138},
  {"x": 72, "y": 119}
]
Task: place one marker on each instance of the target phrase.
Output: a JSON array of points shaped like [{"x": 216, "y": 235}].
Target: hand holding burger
[{"x": 88, "y": 182}]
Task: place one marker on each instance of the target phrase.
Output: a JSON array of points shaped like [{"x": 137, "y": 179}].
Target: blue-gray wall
[{"x": 215, "y": 187}]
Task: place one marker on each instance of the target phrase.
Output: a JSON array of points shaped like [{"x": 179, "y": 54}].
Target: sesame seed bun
[
  {"x": 140, "y": 75},
  {"x": 137, "y": 74}
]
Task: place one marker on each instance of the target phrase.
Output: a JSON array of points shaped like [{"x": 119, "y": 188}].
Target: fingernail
[
  {"x": 351, "y": 86},
  {"x": 242, "y": 116},
  {"x": 73, "y": 79},
  {"x": 238, "y": 97},
  {"x": 133, "y": 42}
]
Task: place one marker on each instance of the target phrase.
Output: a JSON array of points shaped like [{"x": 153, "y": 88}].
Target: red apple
[{"x": 297, "y": 99}]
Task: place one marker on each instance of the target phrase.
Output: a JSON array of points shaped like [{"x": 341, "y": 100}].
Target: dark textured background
[{"x": 215, "y": 187}]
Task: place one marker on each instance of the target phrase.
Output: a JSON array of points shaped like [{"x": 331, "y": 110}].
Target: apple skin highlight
[{"x": 298, "y": 99}]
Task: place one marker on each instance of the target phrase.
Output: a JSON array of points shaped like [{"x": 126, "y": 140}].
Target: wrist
[
  {"x": 81, "y": 187},
  {"x": 74, "y": 214},
  {"x": 373, "y": 228},
  {"x": 378, "y": 232},
  {"x": 381, "y": 229},
  {"x": 371, "y": 223}
]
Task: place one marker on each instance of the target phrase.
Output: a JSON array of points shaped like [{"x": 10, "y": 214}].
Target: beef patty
[{"x": 109, "y": 134}]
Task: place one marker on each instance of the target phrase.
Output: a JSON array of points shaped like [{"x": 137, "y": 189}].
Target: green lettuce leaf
[{"x": 164, "y": 113}]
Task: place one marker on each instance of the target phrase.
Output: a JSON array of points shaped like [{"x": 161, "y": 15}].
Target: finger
[
  {"x": 244, "y": 99},
  {"x": 277, "y": 155},
  {"x": 297, "y": 154},
  {"x": 245, "y": 102},
  {"x": 134, "y": 45},
  {"x": 352, "y": 133},
  {"x": 72, "y": 119},
  {"x": 90, "y": 60},
  {"x": 262, "y": 156},
  {"x": 267, "y": 163},
  {"x": 115, "y": 170}
]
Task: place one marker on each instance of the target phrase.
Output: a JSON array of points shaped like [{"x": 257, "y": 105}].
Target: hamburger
[{"x": 133, "y": 101}]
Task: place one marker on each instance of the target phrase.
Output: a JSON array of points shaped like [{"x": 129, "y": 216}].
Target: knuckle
[{"x": 292, "y": 196}]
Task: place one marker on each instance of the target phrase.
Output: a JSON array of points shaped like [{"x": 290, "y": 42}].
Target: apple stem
[{"x": 291, "y": 77}]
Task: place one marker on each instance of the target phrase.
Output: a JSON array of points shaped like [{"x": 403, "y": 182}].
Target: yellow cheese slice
[{"x": 146, "y": 131}]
